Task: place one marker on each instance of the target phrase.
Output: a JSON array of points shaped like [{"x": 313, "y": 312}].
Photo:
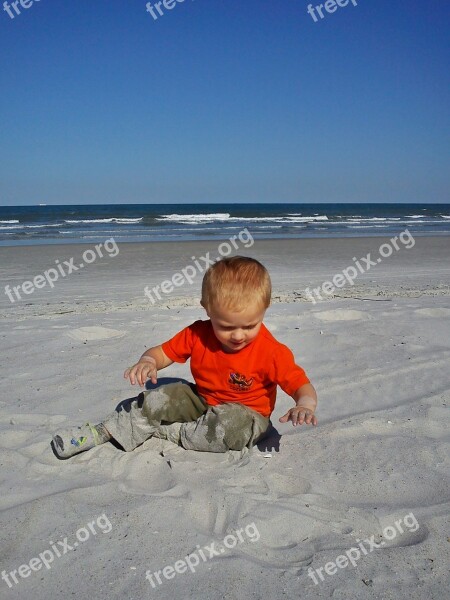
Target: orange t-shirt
[{"x": 249, "y": 376}]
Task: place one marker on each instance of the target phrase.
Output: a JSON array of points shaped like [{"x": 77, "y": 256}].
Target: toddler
[{"x": 236, "y": 364}]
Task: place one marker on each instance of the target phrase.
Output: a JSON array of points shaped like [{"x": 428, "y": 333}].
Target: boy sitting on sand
[{"x": 236, "y": 364}]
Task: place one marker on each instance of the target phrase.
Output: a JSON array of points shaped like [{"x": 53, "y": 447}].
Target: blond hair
[{"x": 234, "y": 283}]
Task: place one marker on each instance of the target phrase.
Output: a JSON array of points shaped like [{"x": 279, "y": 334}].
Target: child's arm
[
  {"x": 148, "y": 366},
  {"x": 306, "y": 402}
]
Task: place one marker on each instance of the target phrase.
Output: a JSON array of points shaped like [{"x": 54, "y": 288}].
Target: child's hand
[
  {"x": 141, "y": 371},
  {"x": 299, "y": 415}
]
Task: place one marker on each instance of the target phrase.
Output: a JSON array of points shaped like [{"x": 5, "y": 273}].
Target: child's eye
[{"x": 225, "y": 328}]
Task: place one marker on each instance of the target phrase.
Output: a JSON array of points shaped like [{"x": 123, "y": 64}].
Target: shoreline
[{"x": 312, "y": 236}]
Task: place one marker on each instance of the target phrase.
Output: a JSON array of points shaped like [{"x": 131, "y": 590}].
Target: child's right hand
[{"x": 141, "y": 371}]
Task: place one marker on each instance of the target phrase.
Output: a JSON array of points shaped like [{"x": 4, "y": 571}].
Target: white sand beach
[{"x": 375, "y": 468}]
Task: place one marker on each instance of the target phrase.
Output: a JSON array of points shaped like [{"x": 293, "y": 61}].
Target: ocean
[{"x": 43, "y": 224}]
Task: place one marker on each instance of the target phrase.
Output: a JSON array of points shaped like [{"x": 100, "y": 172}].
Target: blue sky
[{"x": 224, "y": 101}]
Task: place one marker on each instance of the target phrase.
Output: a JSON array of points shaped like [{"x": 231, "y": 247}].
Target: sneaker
[{"x": 72, "y": 441}]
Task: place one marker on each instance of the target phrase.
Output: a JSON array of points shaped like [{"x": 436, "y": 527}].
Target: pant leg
[
  {"x": 175, "y": 402},
  {"x": 137, "y": 421},
  {"x": 224, "y": 427}
]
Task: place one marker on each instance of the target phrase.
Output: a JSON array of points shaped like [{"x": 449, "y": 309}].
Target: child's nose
[{"x": 238, "y": 334}]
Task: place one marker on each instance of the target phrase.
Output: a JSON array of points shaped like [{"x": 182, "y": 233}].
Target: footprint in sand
[
  {"x": 85, "y": 334},
  {"x": 32, "y": 421},
  {"x": 433, "y": 312},
  {"x": 293, "y": 522},
  {"x": 341, "y": 315},
  {"x": 14, "y": 439}
]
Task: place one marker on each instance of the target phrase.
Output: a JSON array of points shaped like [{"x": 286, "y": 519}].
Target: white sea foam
[
  {"x": 364, "y": 226},
  {"x": 41, "y": 226},
  {"x": 299, "y": 219},
  {"x": 10, "y": 221},
  {"x": 368, "y": 223},
  {"x": 30, "y": 226},
  {"x": 119, "y": 220},
  {"x": 286, "y": 220},
  {"x": 201, "y": 218},
  {"x": 211, "y": 217},
  {"x": 372, "y": 219}
]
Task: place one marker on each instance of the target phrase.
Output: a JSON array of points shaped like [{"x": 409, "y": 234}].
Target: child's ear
[{"x": 203, "y": 304}]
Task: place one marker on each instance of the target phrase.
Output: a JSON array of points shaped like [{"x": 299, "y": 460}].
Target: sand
[{"x": 378, "y": 353}]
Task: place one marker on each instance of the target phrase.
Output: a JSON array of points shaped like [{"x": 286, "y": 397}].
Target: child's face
[{"x": 235, "y": 330}]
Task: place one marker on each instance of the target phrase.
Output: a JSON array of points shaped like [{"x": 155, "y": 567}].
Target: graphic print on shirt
[{"x": 240, "y": 382}]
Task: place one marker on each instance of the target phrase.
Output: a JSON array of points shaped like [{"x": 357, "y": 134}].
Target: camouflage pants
[{"x": 176, "y": 412}]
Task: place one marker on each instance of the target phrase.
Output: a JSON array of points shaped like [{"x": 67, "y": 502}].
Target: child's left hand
[{"x": 299, "y": 415}]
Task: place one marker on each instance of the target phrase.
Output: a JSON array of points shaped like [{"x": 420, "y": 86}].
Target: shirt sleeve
[
  {"x": 288, "y": 375},
  {"x": 179, "y": 348}
]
